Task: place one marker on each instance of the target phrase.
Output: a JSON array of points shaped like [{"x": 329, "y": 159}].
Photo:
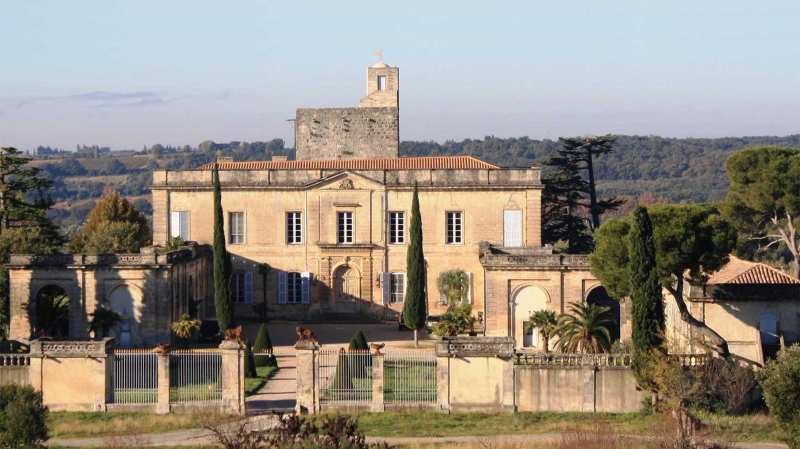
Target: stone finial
[
  {"x": 306, "y": 339},
  {"x": 377, "y": 348}
]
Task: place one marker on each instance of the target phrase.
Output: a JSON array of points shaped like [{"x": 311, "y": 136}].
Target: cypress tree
[
  {"x": 415, "y": 304},
  {"x": 223, "y": 301},
  {"x": 646, "y": 299}
]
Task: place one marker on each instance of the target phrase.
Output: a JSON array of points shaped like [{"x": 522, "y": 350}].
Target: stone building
[
  {"x": 371, "y": 130},
  {"x": 325, "y": 237},
  {"x": 753, "y": 306},
  {"x": 148, "y": 290}
]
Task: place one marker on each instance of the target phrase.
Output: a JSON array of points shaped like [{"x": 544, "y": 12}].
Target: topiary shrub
[
  {"x": 780, "y": 381},
  {"x": 359, "y": 342},
  {"x": 264, "y": 344},
  {"x": 23, "y": 418},
  {"x": 360, "y": 365},
  {"x": 249, "y": 361}
]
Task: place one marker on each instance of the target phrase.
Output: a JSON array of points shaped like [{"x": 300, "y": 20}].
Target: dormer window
[{"x": 381, "y": 82}]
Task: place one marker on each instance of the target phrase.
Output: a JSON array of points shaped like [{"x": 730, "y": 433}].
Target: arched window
[{"x": 51, "y": 313}]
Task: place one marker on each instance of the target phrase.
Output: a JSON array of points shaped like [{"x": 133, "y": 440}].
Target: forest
[{"x": 657, "y": 168}]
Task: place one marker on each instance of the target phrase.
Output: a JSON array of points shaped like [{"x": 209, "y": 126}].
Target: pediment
[{"x": 346, "y": 180}]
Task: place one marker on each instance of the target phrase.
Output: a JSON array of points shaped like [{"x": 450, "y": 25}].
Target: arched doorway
[
  {"x": 123, "y": 301},
  {"x": 51, "y": 308},
  {"x": 347, "y": 286},
  {"x": 526, "y": 301},
  {"x": 599, "y": 296}
]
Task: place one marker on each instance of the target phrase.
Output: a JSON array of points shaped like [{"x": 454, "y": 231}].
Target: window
[
  {"x": 294, "y": 288},
  {"x": 381, "y": 82},
  {"x": 242, "y": 287},
  {"x": 455, "y": 228},
  {"x": 344, "y": 222},
  {"x": 397, "y": 227},
  {"x": 294, "y": 228},
  {"x": 512, "y": 228},
  {"x": 398, "y": 288},
  {"x": 236, "y": 227},
  {"x": 179, "y": 225}
]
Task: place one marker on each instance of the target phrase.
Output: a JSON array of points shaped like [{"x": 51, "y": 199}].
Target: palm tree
[
  {"x": 453, "y": 285},
  {"x": 546, "y": 322},
  {"x": 103, "y": 320},
  {"x": 585, "y": 329},
  {"x": 185, "y": 327}
]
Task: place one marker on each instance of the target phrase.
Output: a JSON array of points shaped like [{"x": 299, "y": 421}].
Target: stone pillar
[
  {"x": 378, "y": 404},
  {"x": 443, "y": 383},
  {"x": 232, "y": 377},
  {"x": 589, "y": 402},
  {"x": 307, "y": 388},
  {"x": 162, "y": 403}
]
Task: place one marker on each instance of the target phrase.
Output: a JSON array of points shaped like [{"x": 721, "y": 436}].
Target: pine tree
[
  {"x": 223, "y": 300},
  {"x": 571, "y": 207},
  {"x": 646, "y": 299},
  {"x": 415, "y": 305},
  {"x": 24, "y": 225}
]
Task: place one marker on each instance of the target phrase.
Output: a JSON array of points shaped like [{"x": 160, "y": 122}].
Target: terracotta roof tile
[
  {"x": 739, "y": 271},
  {"x": 398, "y": 163}
]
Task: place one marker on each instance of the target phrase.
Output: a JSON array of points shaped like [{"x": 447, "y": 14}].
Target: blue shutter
[
  {"x": 386, "y": 284},
  {"x": 248, "y": 287},
  {"x": 281, "y": 287},
  {"x": 305, "y": 286}
]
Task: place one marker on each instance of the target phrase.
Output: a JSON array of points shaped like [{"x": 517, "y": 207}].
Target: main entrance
[{"x": 347, "y": 286}]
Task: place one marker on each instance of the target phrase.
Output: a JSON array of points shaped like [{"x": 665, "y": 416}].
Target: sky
[{"x": 126, "y": 74}]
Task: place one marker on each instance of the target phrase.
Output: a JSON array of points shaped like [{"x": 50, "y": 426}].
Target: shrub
[
  {"x": 264, "y": 344},
  {"x": 780, "y": 381},
  {"x": 456, "y": 321},
  {"x": 185, "y": 328},
  {"x": 297, "y": 432},
  {"x": 23, "y": 418},
  {"x": 249, "y": 362},
  {"x": 359, "y": 342},
  {"x": 209, "y": 332},
  {"x": 727, "y": 387}
]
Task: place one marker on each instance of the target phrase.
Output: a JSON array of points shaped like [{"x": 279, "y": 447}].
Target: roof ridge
[{"x": 435, "y": 162}]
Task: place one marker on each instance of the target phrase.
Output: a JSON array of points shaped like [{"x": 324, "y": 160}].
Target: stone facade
[
  {"x": 265, "y": 197},
  {"x": 150, "y": 291},
  {"x": 371, "y": 130}
]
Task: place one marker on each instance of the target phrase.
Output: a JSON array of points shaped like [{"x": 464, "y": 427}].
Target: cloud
[{"x": 98, "y": 99}]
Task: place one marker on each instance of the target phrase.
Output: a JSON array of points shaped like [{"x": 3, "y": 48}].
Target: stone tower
[
  {"x": 369, "y": 131},
  {"x": 383, "y": 87}
]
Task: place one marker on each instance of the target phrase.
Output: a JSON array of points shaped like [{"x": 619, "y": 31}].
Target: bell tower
[{"x": 383, "y": 87}]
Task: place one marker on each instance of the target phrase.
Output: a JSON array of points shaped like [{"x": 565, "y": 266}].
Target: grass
[
  {"x": 98, "y": 424},
  {"x": 253, "y": 384},
  {"x": 755, "y": 427}
]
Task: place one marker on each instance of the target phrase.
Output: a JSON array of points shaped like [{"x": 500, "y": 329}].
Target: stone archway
[
  {"x": 51, "y": 312},
  {"x": 346, "y": 287},
  {"x": 599, "y": 296},
  {"x": 527, "y": 300},
  {"x": 126, "y": 301}
]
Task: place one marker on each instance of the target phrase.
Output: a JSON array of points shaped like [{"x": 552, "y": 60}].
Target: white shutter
[
  {"x": 175, "y": 224},
  {"x": 248, "y": 287},
  {"x": 184, "y": 225},
  {"x": 305, "y": 286},
  {"x": 282, "y": 287},
  {"x": 512, "y": 228},
  {"x": 469, "y": 287},
  {"x": 442, "y": 298},
  {"x": 386, "y": 285}
]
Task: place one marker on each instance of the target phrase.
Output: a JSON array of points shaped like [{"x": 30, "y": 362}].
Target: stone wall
[
  {"x": 576, "y": 389},
  {"x": 347, "y": 133}
]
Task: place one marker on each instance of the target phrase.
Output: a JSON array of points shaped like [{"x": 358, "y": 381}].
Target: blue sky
[{"x": 133, "y": 73}]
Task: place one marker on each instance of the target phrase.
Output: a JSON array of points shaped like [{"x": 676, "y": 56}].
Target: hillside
[{"x": 672, "y": 169}]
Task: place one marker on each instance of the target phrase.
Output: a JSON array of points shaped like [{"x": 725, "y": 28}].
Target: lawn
[
  {"x": 98, "y": 424},
  {"x": 253, "y": 384}
]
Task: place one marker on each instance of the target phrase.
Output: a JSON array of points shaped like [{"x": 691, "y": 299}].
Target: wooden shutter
[
  {"x": 305, "y": 286},
  {"x": 248, "y": 287},
  {"x": 386, "y": 285},
  {"x": 512, "y": 228},
  {"x": 282, "y": 287}
]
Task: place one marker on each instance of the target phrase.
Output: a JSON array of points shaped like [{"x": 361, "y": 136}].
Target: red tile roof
[
  {"x": 397, "y": 163},
  {"x": 739, "y": 271}
]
